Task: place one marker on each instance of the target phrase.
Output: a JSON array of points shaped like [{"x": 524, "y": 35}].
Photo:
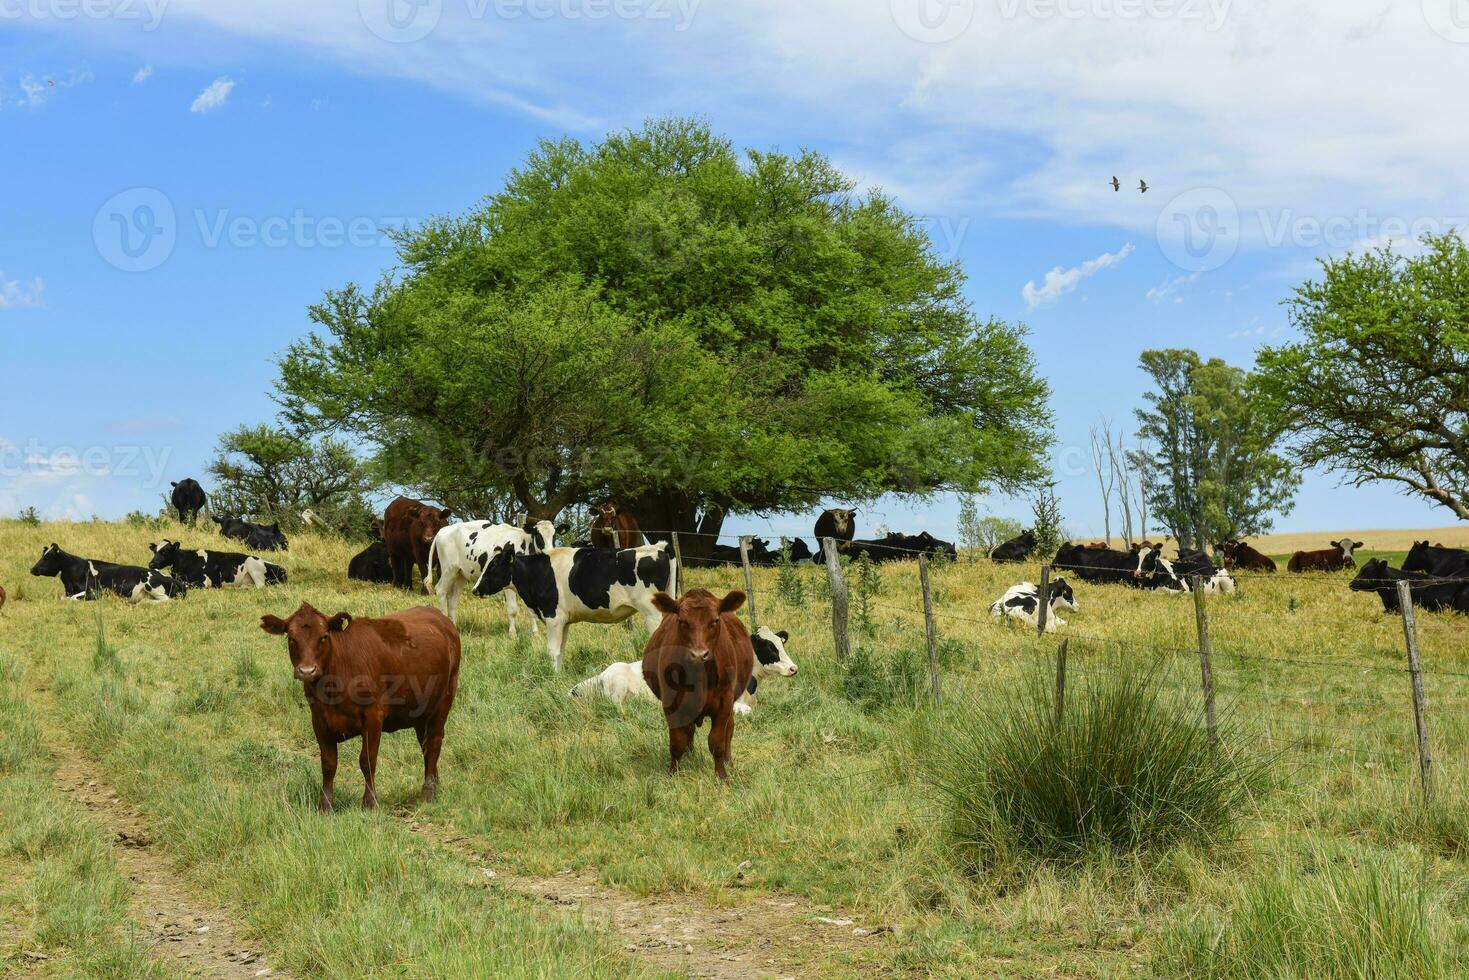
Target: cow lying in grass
[
  {"x": 1426, "y": 591},
  {"x": 215, "y": 569},
  {"x": 623, "y": 682},
  {"x": 85, "y": 579},
  {"x": 1023, "y": 602}
]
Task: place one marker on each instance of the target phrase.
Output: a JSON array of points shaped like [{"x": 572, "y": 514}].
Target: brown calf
[
  {"x": 409, "y": 527},
  {"x": 369, "y": 676},
  {"x": 698, "y": 663},
  {"x": 1238, "y": 555},
  {"x": 615, "y": 527},
  {"x": 1332, "y": 559}
]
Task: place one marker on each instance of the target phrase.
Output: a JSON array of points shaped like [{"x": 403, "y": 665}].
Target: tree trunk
[{"x": 660, "y": 513}]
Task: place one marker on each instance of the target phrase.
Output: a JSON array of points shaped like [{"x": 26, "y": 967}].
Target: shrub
[
  {"x": 1127, "y": 768},
  {"x": 868, "y": 585},
  {"x": 788, "y": 584},
  {"x": 1335, "y": 920},
  {"x": 1046, "y": 517},
  {"x": 29, "y": 517},
  {"x": 872, "y": 681}
]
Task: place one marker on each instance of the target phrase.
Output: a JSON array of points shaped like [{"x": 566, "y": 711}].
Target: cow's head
[
  {"x": 1147, "y": 561},
  {"x": 165, "y": 553},
  {"x": 49, "y": 563},
  {"x": 1371, "y": 577},
  {"x": 697, "y": 619},
  {"x": 771, "y": 659},
  {"x": 608, "y": 510},
  {"x": 1062, "y": 595},
  {"x": 429, "y": 521},
  {"x": 1346, "y": 546},
  {"x": 495, "y": 571},
  {"x": 308, "y": 636},
  {"x": 539, "y": 535}
]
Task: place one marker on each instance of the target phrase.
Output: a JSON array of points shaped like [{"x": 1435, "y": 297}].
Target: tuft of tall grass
[
  {"x": 1338, "y": 919},
  {"x": 1126, "y": 767}
]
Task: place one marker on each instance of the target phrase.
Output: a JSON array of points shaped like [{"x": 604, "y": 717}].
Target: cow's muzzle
[{"x": 308, "y": 673}]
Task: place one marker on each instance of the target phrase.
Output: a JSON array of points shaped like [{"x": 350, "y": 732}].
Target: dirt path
[
  {"x": 773, "y": 936},
  {"x": 188, "y": 933}
]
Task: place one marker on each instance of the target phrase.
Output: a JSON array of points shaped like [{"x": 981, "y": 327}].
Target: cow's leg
[
  {"x": 431, "y": 738},
  {"x": 721, "y": 731},
  {"x": 556, "y": 641},
  {"x": 372, "y": 733},
  {"x": 400, "y": 573},
  {"x": 328, "y": 749},
  {"x": 450, "y": 587},
  {"x": 680, "y": 737},
  {"x": 510, "y": 610}
]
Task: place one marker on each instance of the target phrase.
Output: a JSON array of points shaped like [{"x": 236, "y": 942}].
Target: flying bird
[
  {"x": 51, "y": 82},
  {"x": 1116, "y": 184},
  {"x": 1142, "y": 186}
]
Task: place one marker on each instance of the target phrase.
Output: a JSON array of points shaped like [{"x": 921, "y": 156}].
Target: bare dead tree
[
  {"x": 1101, "y": 443},
  {"x": 1122, "y": 475}
]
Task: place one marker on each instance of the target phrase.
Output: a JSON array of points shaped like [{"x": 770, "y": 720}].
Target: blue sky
[{"x": 181, "y": 179}]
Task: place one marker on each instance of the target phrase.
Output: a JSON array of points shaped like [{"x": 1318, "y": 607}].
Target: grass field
[{"x": 820, "y": 858}]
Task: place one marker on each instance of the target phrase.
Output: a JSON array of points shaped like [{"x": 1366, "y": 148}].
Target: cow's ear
[
  {"x": 732, "y": 601},
  {"x": 666, "y": 604},
  {"x": 339, "y": 622},
  {"x": 173, "y": 483},
  {"x": 273, "y": 625},
  {"x": 784, "y": 636},
  {"x": 1358, "y": 544}
]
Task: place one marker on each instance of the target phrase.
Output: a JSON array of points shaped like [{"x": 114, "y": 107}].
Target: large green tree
[
  {"x": 662, "y": 318},
  {"x": 1216, "y": 472},
  {"x": 1378, "y": 384}
]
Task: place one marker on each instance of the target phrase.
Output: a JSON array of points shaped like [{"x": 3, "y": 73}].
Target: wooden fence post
[
  {"x": 677, "y": 567},
  {"x": 839, "y": 637},
  {"x": 1042, "y": 612},
  {"x": 1060, "y": 681},
  {"x": 1420, "y": 702},
  {"x": 749, "y": 579},
  {"x": 1206, "y": 666},
  {"x": 933, "y": 659}
]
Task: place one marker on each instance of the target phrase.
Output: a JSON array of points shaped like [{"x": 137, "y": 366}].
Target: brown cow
[
  {"x": 1332, "y": 559},
  {"x": 409, "y": 527},
  {"x": 1241, "y": 557},
  {"x": 698, "y": 663},
  {"x": 369, "y": 676},
  {"x": 615, "y": 527},
  {"x": 836, "y": 523}
]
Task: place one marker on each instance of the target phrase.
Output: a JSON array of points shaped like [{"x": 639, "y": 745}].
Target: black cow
[
  {"x": 1426, "y": 590},
  {"x": 86, "y": 579},
  {"x": 1437, "y": 560},
  {"x": 836, "y": 523},
  {"x": 1139, "y": 569},
  {"x": 371, "y": 564},
  {"x": 1216, "y": 580},
  {"x": 1017, "y": 549},
  {"x": 256, "y": 537},
  {"x": 188, "y": 499},
  {"x": 215, "y": 569},
  {"x": 902, "y": 547}
]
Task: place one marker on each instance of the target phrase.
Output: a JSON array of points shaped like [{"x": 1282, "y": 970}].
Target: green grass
[{"x": 191, "y": 710}]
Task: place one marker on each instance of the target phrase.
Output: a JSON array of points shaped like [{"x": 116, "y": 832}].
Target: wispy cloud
[
  {"x": 37, "y": 91},
  {"x": 16, "y": 295},
  {"x": 1060, "y": 281},
  {"x": 1170, "y": 288},
  {"x": 142, "y": 74},
  {"x": 213, "y": 97}
]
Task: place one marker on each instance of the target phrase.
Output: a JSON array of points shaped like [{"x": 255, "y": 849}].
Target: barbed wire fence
[{"x": 1324, "y": 731}]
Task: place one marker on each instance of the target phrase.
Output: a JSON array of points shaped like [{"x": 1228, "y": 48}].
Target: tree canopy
[
  {"x": 1378, "y": 385},
  {"x": 661, "y": 318},
  {"x": 268, "y": 473},
  {"x": 1215, "y": 472}
]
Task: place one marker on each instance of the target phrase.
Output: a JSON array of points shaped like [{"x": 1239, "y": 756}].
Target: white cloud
[
  {"x": 37, "y": 91},
  {"x": 214, "y": 96},
  {"x": 1170, "y": 287},
  {"x": 1060, "y": 281},
  {"x": 142, "y": 74},
  {"x": 15, "y": 295}
]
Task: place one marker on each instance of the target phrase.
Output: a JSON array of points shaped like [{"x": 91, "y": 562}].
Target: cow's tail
[{"x": 433, "y": 552}]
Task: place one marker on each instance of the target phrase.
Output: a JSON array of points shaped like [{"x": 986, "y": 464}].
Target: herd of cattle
[{"x": 363, "y": 676}]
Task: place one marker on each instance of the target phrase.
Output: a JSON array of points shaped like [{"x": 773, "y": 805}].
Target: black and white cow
[
  {"x": 583, "y": 585},
  {"x": 1023, "y": 602},
  {"x": 1017, "y": 549},
  {"x": 188, "y": 499},
  {"x": 86, "y": 579},
  {"x": 215, "y": 569},
  {"x": 1135, "y": 568},
  {"x": 462, "y": 552},
  {"x": 1427, "y": 591},
  {"x": 371, "y": 564},
  {"x": 623, "y": 682},
  {"x": 256, "y": 537},
  {"x": 1217, "y": 581}
]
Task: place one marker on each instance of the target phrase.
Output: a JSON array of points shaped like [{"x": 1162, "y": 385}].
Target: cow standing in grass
[
  {"x": 188, "y": 499},
  {"x": 409, "y": 527},
  {"x": 462, "y": 552},
  {"x": 364, "y": 677}
]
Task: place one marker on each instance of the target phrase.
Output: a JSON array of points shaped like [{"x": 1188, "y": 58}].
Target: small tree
[
  {"x": 979, "y": 535},
  {"x": 1047, "y": 520},
  {"x": 271, "y": 474}
]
